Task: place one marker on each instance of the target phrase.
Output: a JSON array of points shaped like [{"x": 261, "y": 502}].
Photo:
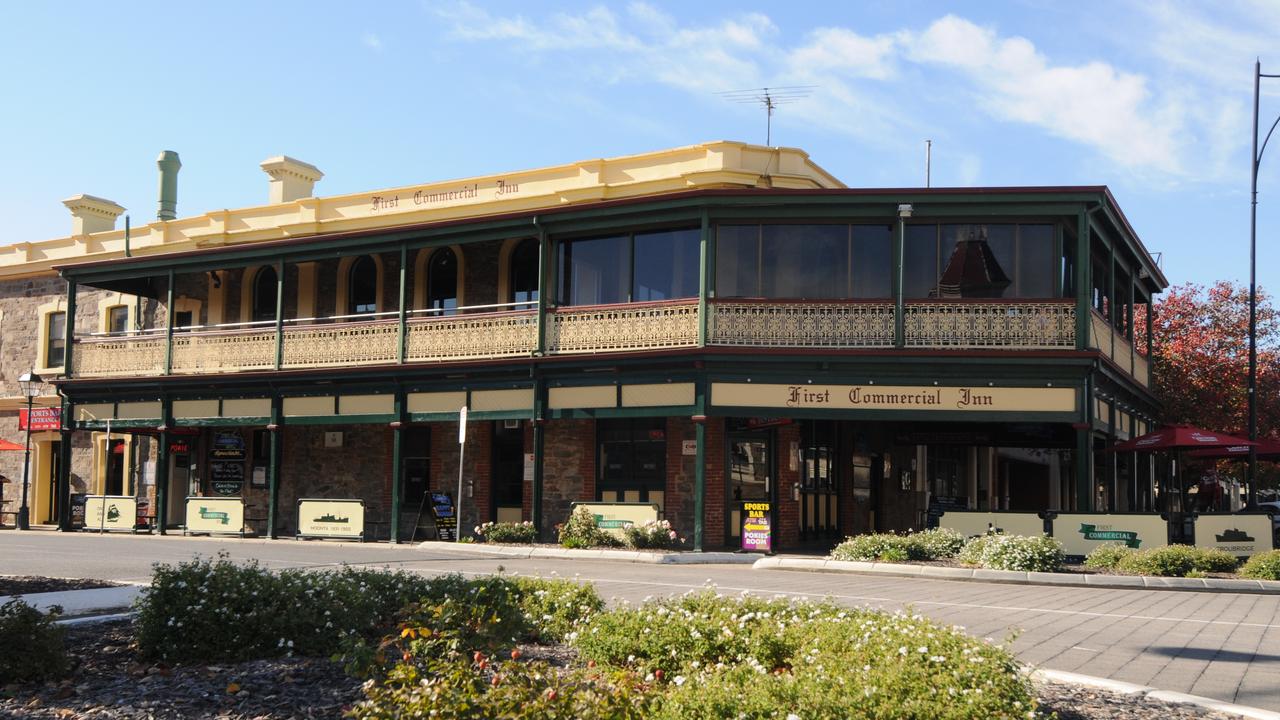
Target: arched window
[
  {"x": 264, "y": 294},
  {"x": 442, "y": 282},
  {"x": 524, "y": 273},
  {"x": 362, "y": 294}
]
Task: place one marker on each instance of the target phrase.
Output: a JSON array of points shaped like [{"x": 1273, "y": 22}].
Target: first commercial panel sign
[{"x": 895, "y": 397}]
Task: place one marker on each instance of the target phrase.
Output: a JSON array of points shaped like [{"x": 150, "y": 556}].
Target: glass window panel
[
  {"x": 1035, "y": 261},
  {"x": 1068, "y": 266},
  {"x": 363, "y": 287},
  {"x": 118, "y": 319},
  {"x": 805, "y": 261},
  {"x": 872, "y": 261},
  {"x": 738, "y": 261},
  {"x": 524, "y": 273},
  {"x": 56, "y": 350},
  {"x": 442, "y": 282},
  {"x": 595, "y": 271},
  {"x": 920, "y": 261},
  {"x": 666, "y": 264},
  {"x": 1002, "y": 239},
  {"x": 264, "y": 295}
]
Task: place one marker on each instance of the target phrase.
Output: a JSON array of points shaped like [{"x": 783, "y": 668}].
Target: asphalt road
[{"x": 1219, "y": 645}]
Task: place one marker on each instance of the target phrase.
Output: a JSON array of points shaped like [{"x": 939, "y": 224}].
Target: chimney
[
  {"x": 169, "y": 165},
  {"x": 91, "y": 214},
  {"x": 290, "y": 179}
]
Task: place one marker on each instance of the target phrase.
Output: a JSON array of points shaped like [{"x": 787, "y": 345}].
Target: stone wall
[
  {"x": 358, "y": 469},
  {"x": 476, "y": 471},
  {"x": 569, "y": 469}
]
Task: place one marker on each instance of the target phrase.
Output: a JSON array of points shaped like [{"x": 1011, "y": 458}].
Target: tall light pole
[
  {"x": 30, "y": 383},
  {"x": 1256, "y": 160}
]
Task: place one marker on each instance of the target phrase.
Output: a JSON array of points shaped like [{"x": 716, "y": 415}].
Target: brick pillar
[
  {"x": 526, "y": 492},
  {"x": 787, "y": 516},
  {"x": 714, "y": 510}
]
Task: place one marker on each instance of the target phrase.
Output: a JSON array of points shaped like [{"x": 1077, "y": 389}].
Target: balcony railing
[
  {"x": 615, "y": 328},
  {"x": 503, "y": 331},
  {"x": 991, "y": 324},
  {"x": 773, "y": 323},
  {"x": 1114, "y": 345}
]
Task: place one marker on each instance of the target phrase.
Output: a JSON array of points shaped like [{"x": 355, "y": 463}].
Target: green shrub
[
  {"x": 32, "y": 642},
  {"x": 938, "y": 543},
  {"x": 580, "y": 531},
  {"x": 654, "y": 534},
  {"x": 1013, "y": 552},
  {"x": 1108, "y": 556},
  {"x": 1263, "y": 566},
  {"x": 516, "y": 533},
  {"x": 557, "y": 608},
  {"x": 1177, "y": 561}
]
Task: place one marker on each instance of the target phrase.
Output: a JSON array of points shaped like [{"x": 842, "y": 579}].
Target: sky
[{"x": 1153, "y": 99}]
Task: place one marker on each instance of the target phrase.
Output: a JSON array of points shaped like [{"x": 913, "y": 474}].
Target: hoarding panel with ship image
[{"x": 1241, "y": 534}]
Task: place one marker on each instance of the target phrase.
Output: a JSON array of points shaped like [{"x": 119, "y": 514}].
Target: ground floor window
[
  {"x": 416, "y": 472},
  {"x": 508, "y": 470},
  {"x": 632, "y": 455}
]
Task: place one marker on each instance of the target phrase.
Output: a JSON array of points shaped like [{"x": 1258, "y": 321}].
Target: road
[{"x": 1219, "y": 645}]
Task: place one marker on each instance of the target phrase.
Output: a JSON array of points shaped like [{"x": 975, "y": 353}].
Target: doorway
[
  {"x": 508, "y": 471},
  {"x": 51, "y": 480},
  {"x": 819, "y": 476},
  {"x": 750, "y": 477},
  {"x": 182, "y": 483}
]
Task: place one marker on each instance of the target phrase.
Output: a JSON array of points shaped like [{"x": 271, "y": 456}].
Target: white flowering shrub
[
  {"x": 1107, "y": 556},
  {"x": 1263, "y": 566},
  {"x": 1013, "y": 552},
  {"x": 653, "y": 534},
  {"x": 931, "y": 544},
  {"x": 515, "y": 533}
]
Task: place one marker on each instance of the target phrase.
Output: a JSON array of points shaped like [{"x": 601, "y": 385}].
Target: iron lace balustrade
[
  {"x": 801, "y": 324},
  {"x": 625, "y": 327},
  {"x": 991, "y": 324}
]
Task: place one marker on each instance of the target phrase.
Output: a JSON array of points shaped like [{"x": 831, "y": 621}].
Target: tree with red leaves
[{"x": 1200, "y": 348}]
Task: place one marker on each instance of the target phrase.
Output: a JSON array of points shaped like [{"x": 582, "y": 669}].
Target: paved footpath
[{"x": 1220, "y": 645}]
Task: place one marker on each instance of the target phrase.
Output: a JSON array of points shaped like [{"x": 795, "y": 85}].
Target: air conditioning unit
[{"x": 510, "y": 424}]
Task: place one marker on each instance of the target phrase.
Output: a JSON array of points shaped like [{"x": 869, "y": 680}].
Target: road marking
[{"x": 872, "y": 598}]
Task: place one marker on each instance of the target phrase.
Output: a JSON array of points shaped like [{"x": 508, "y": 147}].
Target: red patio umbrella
[
  {"x": 1266, "y": 450},
  {"x": 6, "y": 445},
  {"x": 1180, "y": 437}
]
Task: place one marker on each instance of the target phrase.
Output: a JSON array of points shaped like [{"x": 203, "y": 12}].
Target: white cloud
[
  {"x": 371, "y": 41},
  {"x": 846, "y": 52}
]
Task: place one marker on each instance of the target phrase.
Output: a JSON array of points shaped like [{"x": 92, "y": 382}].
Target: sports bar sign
[
  {"x": 41, "y": 418},
  {"x": 895, "y": 397}
]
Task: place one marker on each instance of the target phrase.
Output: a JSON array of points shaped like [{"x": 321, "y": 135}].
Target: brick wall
[
  {"x": 678, "y": 499},
  {"x": 476, "y": 472},
  {"x": 713, "y": 510},
  {"x": 787, "y": 515}
]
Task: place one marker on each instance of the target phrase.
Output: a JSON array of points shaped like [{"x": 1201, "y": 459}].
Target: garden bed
[{"x": 111, "y": 681}]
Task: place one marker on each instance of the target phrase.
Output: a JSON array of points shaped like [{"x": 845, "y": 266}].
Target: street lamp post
[
  {"x": 30, "y": 383},
  {"x": 1256, "y": 160}
]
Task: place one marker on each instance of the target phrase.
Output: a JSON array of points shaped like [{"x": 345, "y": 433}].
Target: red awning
[
  {"x": 6, "y": 445},
  {"x": 1179, "y": 437},
  {"x": 1267, "y": 449}
]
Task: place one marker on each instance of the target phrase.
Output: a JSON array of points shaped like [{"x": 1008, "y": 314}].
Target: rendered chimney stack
[
  {"x": 91, "y": 214},
  {"x": 290, "y": 179},
  {"x": 169, "y": 165}
]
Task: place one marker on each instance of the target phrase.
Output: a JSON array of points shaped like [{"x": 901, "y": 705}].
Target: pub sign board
[
  {"x": 40, "y": 418},
  {"x": 613, "y": 517},
  {"x": 444, "y": 517},
  {"x": 321, "y": 518},
  {"x": 757, "y": 526},
  {"x": 972, "y": 523},
  {"x": 1082, "y": 533},
  {"x": 110, "y": 512},
  {"x": 214, "y": 516}
]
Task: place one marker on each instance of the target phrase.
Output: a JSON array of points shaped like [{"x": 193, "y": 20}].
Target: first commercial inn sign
[{"x": 894, "y": 397}]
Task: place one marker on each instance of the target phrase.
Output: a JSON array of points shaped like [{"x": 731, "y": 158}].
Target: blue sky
[{"x": 1150, "y": 98}]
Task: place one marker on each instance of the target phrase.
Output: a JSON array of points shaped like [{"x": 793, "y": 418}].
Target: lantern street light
[
  {"x": 1256, "y": 160},
  {"x": 30, "y": 383}
]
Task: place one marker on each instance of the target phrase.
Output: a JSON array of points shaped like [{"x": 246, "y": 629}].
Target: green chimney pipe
[{"x": 169, "y": 165}]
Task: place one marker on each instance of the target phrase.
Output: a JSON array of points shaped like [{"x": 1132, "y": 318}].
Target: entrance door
[
  {"x": 180, "y": 486},
  {"x": 415, "y": 478},
  {"x": 51, "y": 482},
  {"x": 508, "y": 471},
  {"x": 819, "y": 471},
  {"x": 750, "y": 477}
]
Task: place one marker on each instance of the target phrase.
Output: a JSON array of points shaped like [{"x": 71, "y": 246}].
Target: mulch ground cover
[
  {"x": 110, "y": 682},
  {"x": 30, "y": 585}
]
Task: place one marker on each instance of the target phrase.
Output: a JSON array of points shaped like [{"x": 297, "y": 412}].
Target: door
[
  {"x": 51, "y": 482},
  {"x": 180, "y": 486},
  {"x": 508, "y": 471},
  {"x": 819, "y": 472},
  {"x": 750, "y": 477},
  {"x": 632, "y": 460}
]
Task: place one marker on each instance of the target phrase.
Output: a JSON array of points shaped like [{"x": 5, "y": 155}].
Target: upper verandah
[{"x": 718, "y": 164}]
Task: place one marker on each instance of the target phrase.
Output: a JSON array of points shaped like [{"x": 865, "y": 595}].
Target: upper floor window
[
  {"x": 524, "y": 273},
  {"x": 442, "y": 282},
  {"x": 363, "y": 287},
  {"x": 55, "y": 350},
  {"x": 978, "y": 261},
  {"x": 820, "y": 262},
  {"x": 118, "y": 319},
  {"x": 264, "y": 295},
  {"x": 658, "y": 265}
]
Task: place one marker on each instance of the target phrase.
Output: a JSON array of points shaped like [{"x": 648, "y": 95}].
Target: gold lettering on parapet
[{"x": 501, "y": 188}]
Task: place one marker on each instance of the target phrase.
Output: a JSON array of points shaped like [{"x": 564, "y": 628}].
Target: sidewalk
[
  {"x": 77, "y": 603},
  {"x": 656, "y": 557}
]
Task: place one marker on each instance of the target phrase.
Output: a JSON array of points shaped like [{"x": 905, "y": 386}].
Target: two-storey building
[{"x": 696, "y": 327}]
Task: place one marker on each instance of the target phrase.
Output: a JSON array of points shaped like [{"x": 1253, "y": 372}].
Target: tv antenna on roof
[{"x": 769, "y": 98}]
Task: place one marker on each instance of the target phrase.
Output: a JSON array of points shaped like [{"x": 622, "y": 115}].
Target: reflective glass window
[
  {"x": 595, "y": 271},
  {"x": 442, "y": 282},
  {"x": 920, "y": 262},
  {"x": 872, "y": 271},
  {"x": 738, "y": 261},
  {"x": 524, "y": 273},
  {"x": 666, "y": 264},
  {"x": 363, "y": 287},
  {"x": 264, "y": 295}
]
